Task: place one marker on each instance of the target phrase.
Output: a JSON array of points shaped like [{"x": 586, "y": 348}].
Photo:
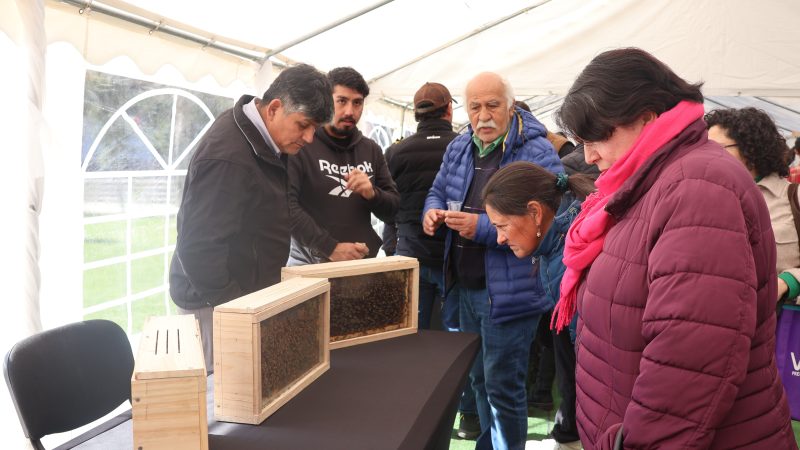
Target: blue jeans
[
  {"x": 498, "y": 375},
  {"x": 431, "y": 285}
]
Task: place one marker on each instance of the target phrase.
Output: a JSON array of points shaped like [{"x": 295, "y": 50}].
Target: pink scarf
[{"x": 587, "y": 234}]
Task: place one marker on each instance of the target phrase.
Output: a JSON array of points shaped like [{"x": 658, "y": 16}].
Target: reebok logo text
[{"x": 331, "y": 168}]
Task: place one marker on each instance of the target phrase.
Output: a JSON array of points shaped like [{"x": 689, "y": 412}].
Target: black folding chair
[{"x": 67, "y": 377}]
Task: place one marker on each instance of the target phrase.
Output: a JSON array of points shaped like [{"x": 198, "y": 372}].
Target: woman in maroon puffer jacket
[{"x": 672, "y": 268}]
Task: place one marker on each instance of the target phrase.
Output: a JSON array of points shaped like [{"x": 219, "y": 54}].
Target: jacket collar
[
  {"x": 434, "y": 125},
  {"x": 523, "y": 127},
  {"x": 773, "y": 183},
  {"x": 635, "y": 187},
  {"x": 553, "y": 240},
  {"x": 260, "y": 148}
]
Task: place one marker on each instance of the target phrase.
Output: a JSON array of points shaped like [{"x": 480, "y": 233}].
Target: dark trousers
[
  {"x": 565, "y": 428},
  {"x": 541, "y": 366}
]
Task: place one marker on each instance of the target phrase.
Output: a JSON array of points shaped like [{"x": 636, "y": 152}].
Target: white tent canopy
[{"x": 737, "y": 48}]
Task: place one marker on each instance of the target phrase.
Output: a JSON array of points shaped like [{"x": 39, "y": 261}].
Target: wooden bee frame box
[
  {"x": 371, "y": 299},
  {"x": 168, "y": 386},
  {"x": 268, "y": 346}
]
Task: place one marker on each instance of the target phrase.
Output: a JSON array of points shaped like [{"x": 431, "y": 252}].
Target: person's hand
[
  {"x": 433, "y": 218},
  {"x": 783, "y": 288},
  {"x": 358, "y": 182},
  {"x": 464, "y": 223},
  {"x": 346, "y": 251}
]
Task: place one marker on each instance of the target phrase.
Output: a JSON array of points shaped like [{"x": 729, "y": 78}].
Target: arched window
[{"x": 138, "y": 138}]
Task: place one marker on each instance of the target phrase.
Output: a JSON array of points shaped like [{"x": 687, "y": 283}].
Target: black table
[{"x": 399, "y": 393}]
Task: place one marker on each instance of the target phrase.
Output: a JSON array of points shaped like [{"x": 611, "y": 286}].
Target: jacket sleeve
[
  {"x": 436, "y": 197},
  {"x": 212, "y": 211},
  {"x": 699, "y": 318},
  {"x": 389, "y": 237},
  {"x": 304, "y": 228},
  {"x": 387, "y": 199}
]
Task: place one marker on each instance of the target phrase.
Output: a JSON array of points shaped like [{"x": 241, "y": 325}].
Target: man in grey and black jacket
[
  {"x": 233, "y": 222},
  {"x": 413, "y": 164}
]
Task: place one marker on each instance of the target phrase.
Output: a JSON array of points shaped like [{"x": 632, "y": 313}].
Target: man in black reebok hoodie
[{"x": 337, "y": 181}]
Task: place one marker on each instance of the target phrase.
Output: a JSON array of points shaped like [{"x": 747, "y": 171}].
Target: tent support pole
[
  {"x": 308, "y": 36},
  {"x": 161, "y": 27}
]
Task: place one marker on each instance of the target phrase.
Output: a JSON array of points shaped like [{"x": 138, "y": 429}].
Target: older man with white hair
[{"x": 499, "y": 297}]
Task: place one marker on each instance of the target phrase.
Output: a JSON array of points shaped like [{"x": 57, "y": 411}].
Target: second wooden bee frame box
[{"x": 337, "y": 272}]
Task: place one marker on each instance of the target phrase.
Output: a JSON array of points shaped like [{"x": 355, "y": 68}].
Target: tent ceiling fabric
[
  {"x": 101, "y": 38},
  {"x": 736, "y": 47}
]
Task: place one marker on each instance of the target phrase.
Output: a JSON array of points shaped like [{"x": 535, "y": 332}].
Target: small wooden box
[
  {"x": 168, "y": 387},
  {"x": 268, "y": 346},
  {"x": 371, "y": 299}
]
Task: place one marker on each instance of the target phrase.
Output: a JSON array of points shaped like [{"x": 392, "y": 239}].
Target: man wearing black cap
[{"x": 413, "y": 164}]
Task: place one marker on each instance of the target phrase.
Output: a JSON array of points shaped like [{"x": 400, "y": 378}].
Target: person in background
[
  {"x": 562, "y": 145},
  {"x": 477, "y": 269},
  {"x": 751, "y": 136},
  {"x": 532, "y": 209},
  {"x": 671, "y": 265},
  {"x": 233, "y": 222},
  {"x": 575, "y": 162},
  {"x": 794, "y": 169},
  {"x": 413, "y": 164},
  {"x": 338, "y": 181}
]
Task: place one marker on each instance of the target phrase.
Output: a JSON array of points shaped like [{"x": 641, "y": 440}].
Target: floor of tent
[{"x": 538, "y": 427}]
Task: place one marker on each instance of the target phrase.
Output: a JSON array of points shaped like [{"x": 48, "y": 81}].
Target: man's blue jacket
[{"x": 514, "y": 290}]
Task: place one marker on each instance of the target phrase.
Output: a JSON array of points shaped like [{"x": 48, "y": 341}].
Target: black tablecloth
[{"x": 399, "y": 393}]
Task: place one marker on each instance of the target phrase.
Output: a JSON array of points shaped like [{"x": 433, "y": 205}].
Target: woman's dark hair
[
  {"x": 350, "y": 78},
  {"x": 616, "y": 88},
  {"x": 757, "y": 138},
  {"x": 512, "y": 187}
]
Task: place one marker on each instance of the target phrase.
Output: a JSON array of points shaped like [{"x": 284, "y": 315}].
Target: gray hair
[
  {"x": 508, "y": 91},
  {"x": 303, "y": 89}
]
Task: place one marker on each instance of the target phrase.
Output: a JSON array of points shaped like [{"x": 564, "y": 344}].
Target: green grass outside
[{"x": 102, "y": 284}]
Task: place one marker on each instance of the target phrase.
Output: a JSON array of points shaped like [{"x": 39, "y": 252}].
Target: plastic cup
[{"x": 453, "y": 205}]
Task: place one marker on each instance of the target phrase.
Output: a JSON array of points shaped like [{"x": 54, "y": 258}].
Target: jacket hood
[
  {"x": 553, "y": 239},
  {"x": 323, "y": 136}
]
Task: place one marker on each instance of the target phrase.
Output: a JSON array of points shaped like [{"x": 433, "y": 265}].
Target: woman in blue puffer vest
[{"x": 532, "y": 209}]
